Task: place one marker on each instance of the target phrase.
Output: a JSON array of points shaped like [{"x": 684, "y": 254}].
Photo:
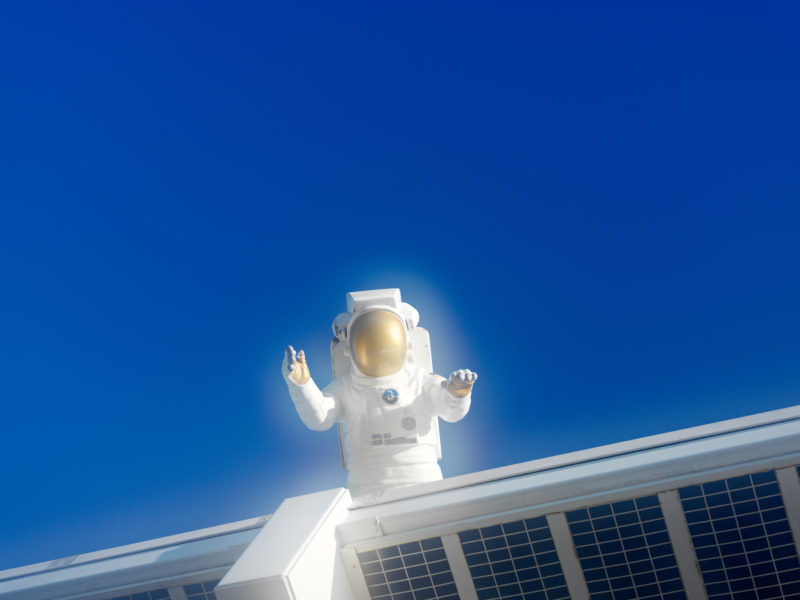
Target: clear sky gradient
[{"x": 593, "y": 206}]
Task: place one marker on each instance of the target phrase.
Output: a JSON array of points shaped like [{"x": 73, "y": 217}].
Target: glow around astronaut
[{"x": 384, "y": 395}]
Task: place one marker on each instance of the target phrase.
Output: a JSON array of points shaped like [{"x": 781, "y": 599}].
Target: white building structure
[{"x": 708, "y": 512}]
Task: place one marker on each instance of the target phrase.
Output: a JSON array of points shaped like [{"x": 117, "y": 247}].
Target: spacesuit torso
[{"x": 388, "y": 427}]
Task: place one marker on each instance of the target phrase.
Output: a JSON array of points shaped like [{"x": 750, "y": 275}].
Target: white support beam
[
  {"x": 682, "y": 545},
  {"x": 354, "y": 573},
  {"x": 176, "y": 593},
  {"x": 459, "y": 567},
  {"x": 573, "y": 572},
  {"x": 790, "y": 489}
]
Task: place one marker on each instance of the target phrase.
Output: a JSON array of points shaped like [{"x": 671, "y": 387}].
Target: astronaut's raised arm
[
  {"x": 318, "y": 409},
  {"x": 449, "y": 406}
]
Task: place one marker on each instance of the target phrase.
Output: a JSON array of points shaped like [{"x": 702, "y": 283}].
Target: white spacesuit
[{"x": 383, "y": 396}]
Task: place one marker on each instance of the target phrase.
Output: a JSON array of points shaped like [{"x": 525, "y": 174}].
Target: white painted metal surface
[
  {"x": 358, "y": 585},
  {"x": 790, "y": 490},
  {"x": 176, "y": 593},
  {"x": 164, "y": 562},
  {"x": 153, "y": 544},
  {"x": 294, "y": 557},
  {"x": 458, "y": 567},
  {"x": 682, "y": 545},
  {"x": 567, "y": 557}
]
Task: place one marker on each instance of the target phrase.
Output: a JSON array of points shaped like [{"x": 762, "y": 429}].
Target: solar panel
[
  {"x": 625, "y": 551},
  {"x": 413, "y": 571},
  {"x": 742, "y": 538},
  {"x": 161, "y": 594},
  {"x": 515, "y": 560},
  {"x": 201, "y": 591}
]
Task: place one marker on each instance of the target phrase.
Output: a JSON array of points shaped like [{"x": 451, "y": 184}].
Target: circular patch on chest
[
  {"x": 409, "y": 423},
  {"x": 390, "y": 396}
]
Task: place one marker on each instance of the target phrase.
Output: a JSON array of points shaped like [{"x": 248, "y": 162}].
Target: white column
[
  {"x": 790, "y": 490},
  {"x": 459, "y": 567},
  {"x": 573, "y": 572},
  {"x": 176, "y": 593},
  {"x": 682, "y": 545}
]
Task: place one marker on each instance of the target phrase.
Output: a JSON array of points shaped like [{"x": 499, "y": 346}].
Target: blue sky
[{"x": 594, "y": 207}]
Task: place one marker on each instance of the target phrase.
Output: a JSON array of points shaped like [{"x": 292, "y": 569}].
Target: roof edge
[
  {"x": 116, "y": 552},
  {"x": 592, "y": 454}
]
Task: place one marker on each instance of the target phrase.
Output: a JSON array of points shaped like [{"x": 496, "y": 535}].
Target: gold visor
[{"x": 378, "y": 343}]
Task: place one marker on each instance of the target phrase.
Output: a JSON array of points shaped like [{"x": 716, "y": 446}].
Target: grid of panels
[
  {"x": 201, "y": 591},
  {"x": 514, "y": 561},
  {"x": 625, "y": 551},
  {"x": 742, "y": 539},
  {"x": 161, "y": 594},
  {"x": 413, "y": 571}
]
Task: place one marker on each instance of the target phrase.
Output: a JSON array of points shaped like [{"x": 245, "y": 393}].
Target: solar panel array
[
  {"x": 201, "y": 591},
  {"x": 625, "y": 551},
  {"x": 161, "y": 594},
  {"x": 413, "y": 571},
  {"x": 738, "y": 528},
  {"x": 515, "y": 560},
  {"x": 742, "y": 538}
]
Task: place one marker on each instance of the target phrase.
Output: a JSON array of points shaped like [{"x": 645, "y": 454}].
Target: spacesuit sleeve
[
  {"x": 443, "y": 405},
  {"x": 318, "y": 409}
]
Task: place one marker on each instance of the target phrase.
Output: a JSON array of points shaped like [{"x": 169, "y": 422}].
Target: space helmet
[{"x": 375, "y": 331}]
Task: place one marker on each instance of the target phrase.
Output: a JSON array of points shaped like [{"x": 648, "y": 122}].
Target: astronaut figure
[{"x": 384, "y": 395}]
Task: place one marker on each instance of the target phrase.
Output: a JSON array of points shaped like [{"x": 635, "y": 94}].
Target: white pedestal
[{"x": 294, "y": 557}]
